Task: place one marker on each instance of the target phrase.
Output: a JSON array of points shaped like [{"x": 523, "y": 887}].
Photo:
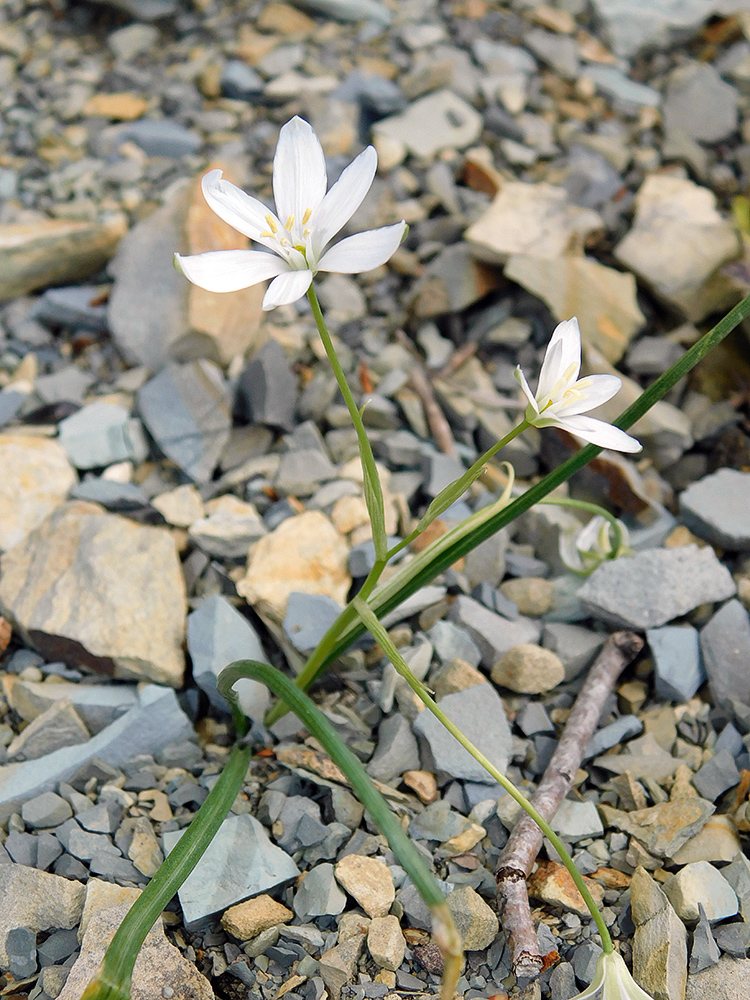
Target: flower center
[{"x": 292, "y": 239}]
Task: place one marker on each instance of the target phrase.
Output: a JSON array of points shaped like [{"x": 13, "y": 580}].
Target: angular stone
[
  {"x": 678, "y": 668},
  {"x": 478, "y": 711},
  {"x": 267, "y": 389},
  {"x": 54, "y": 252},
  {"x": 60, "y": 726},
  {"x": 21, "y": 947},
  {"x": 577, "y": 820},
  {"x": 576, "y": 646},
  {"x": 451, "y": 642},
  {"x": 705, "y": 950},
  {"x": 36, "y": 900},
  {"x": 369, "y": 881},
  {"x": 725, "y": 644},
  {"x": 239, "y": 862},
  {"x": 551, "y": 883},
  {"x": 528, "y": 669},
  {"x": 338, "y": 965},
  {"x": 100, "y": 434},
  {"x": 655, "y": 586},
  {"x": 474, "y": 920},
  {"x": 186, "y": 409},
  {"x": 677, "y": 244},
  {"x": 308, "y": 617},
  {"x": 229, "y": 529},
  {"x": 319, "y": 895},
  {"x": 699, "y": 104},
  {"x": 700, "y": 882},
  {"x": 57, "y": 587},
  {"x": 717, "y": 776},
  {"x": 96, "y": 704},
  {"x": 386, "y": 942},
  {"x": 181, "y": 506},
  {"x": 45, "y": 810},
  {"x": 102, "y": 895},
  {"x": 396, "y": 750},
  {"x": 247, "y": 919},
  {"x": 660, "y": 942},
  {"x": 717, "y": 508},
  {"x": 717, "y": 841},
  {"x": 217, "y": 635},
  {"x": 159, "y": 967},
  {"x": 305, "y": 553},
  {"x": 533, "y": 595},
  {"x": 442, "y": 120},
  {"x": 738, "y": 876},
  {"x": 452, "y": 281},
  {"x": 728, "y": 979},
  {"x": 36, "y": 479},
  {"x": 664, "y": 828},
  {"x": 493, "y": 634}
]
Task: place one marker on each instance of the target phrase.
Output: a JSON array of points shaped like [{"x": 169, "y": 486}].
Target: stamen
[
  {"x": 306, "y": 232},
  {"x": 267, "y": 233},
  {"x": 306, "y": 216},
  {"x": 272, "y": 224},
  {"x": 289, "y": 224},
  {"x": 284, "y": 241}
]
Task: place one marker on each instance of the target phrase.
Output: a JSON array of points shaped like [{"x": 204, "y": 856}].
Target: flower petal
[
  {"x": 299, "y": 171},
  {"x": 599, "y": 432},
  {"x": 288, "y": 287},
  {"x": 563, "y": 354},
  {"x": 239, "y": 210},
  {"x": 344, "y": 198},
  {"x": 363, "y": 251},
  {"x": 229, "y": 270},
  {"x": 521, "y": 379},
  {"x": 595, "y": 390}
]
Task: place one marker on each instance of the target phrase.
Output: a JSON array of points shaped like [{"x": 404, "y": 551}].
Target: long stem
[{"x": 381, "y": 636}]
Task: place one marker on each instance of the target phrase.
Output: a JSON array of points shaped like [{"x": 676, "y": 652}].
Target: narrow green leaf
[
  {"x": 373, "y": 492},
  {"x": 448, "y": 495}
]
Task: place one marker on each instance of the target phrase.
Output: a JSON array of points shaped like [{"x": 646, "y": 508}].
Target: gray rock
[
  {"x": 186, "y": 408},
  {"x": 301, "y": 472},
  {"x": 660, "y": 940},
  {"x": 451, "y": 642},
  {"x": 705, "y": 951},
  {"x": 267, "y": 389},
  {"x": 58, "y": 946},
  {"x": 319, "y": 894},
  {"x": 165, "y": 137},
  {"x": 45, "y": 810},
  {"x": 415, "y": 909},
  {"x": 699, "y": 104},
  {"x": 401, "y": 449},
  {"x": 479, "y": 713},
  {"x": 734, "y": 939},
  {"x": 612, "y": 82},
  {"x": 21, "y": 947},
  {"x": 240, "y": 82},
  {"x": 308, "y": 618},
  {"x": 373, "y": 92},
  {"x": 69, "y": 385},
  {"x": 48, "y": 850},
  {"x": 76, "y": 306},
  {"x": 577, "y": 820},
  {"x": 651, "y": 588},
  {"x": 104, "y": 817},
  {"x": 423, "y": 598},
  {"x": 728, "y": 979},
  {"x": 701, "y": 883},
  {"x": 717, "y": 776},
  {"x": 133, "y": 40},
  {"x": 576, "y": 646},
  {"x": 395, "y": 751},
  {"x": 60, "y": 726},
  {"x": 677, "y": 661},
  {"x": 717, "y": 508},
  {"x": 558, "y": 51},
  {"x": 299, "y": 823},
  {"x": 441, "y": 120},
  {"x": 493, "y": 634},
  {"x": 349, "y": 10},
  {"x": 22, "y": 848},
  {"x": 156, "y": 721},
  {"x": 533, "y": 718},
  {"x": 36, "y": 901},
  {"x": 562, "y": 981},
  {"x": 621, "y": 729},
  {"x": 96, "y": 704},
  {"x": 240, "y": 862},
  {"x": 82, "y": 844},
  {"x": 115, "y": 497},
  {"x": 585, "y": 958},
  {"x": 217, "y": 635},
  {"x": 725, "y": 645},
  {"x": 439, "y": 471},
  {"x": 737, "y": 875},
  {"x": 10, "y": 403},
  {"x": 113, "y": 868},
  {"x": 631, "y": 26},
  {"x": 362, "y": 556}
]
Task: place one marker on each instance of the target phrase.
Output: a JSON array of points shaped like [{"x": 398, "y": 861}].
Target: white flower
[
  {"x": 583, "y": 550},
  {"x": 305, "y": 221},
  {"x": 561, "y": 396},
  {"x": 613, "y": 981}
]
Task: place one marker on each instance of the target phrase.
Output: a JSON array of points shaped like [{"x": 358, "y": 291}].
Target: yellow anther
[
  {"x": 305, "y": 232},
  {"x": 272, "y": 224},
  {"x": 267, "y": 233},
  {"x": 306, "y": 216},
  {"x": 289, "y": 224}
]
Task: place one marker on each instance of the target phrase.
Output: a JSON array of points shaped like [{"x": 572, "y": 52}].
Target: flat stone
[
  {"x": 575, "y": 646},
  {"x": 45, "y": 810},
  {"x": 305, "y": 553},
  {"x": 717, "y": 508},
  {"x": 101, "y": 434},
  {"x": 456, "y": 676},
  {"x": 478, "y": 711},
  {"x": 37, "y": 901},
  {"x": 159, "y": 967},
  {"x": 369, "y": 881},
  {"x": 96, "y": 704},
  {"x": 653, "y": 587},
  {"x": 267, "y": 389},
  {"x": 717, "y": 841},
  {"x": 725, "y": 645},
  {"x": 54, "y": 252},
  {"x": 664, "y": 828},
  {"x": 616, "y": 732},
  {"x": 475, "y": 921},
  {"x": 678, "y": 242},
  {"x": 180, "y": 506},
  {"x": 528, "y": 669},
  {"x": 56, "y": 587},
  {"x": 319, "y": 895},
  {"x": 738, "y": 876},
  {"x": 21, "y": 947},
  {"x": 187, "y": 410},
  {"x": 699, "y": 104},
  {"x": 678, "y": 669},
  {"x": 452, "y": 281},
  {"x": 338, "y": 965},
  {"x": 733, "y": 939},
  {"x": 119, "y": 498},
  {"x": 247, "y": 919},
  {"x": 717, "y": 776},
  {"x": 705, "y": 950},
  {"x": 36, "y": 479},
  {"x": 386, "y": 943},
  {"x": 701, "y": 882},
  {"x": 729, "y": 979},
  {"x": 660, "y": 940},
  {"x": 396, "y": 750},
  {"x": 551, "y": 883},
  {"x": 308, "y": 617},
  {"x": 59, "y": 726},
  {"x": 239, "y": 862},
  {"x": 442, "y": 120},
  {"x": 156, "y": 721},
  {"x": 533, "y": 595},
  {"x": 58, "y": 946},
  {"x": 493, "y": 634},
  {"x": 577, "y": 820},
  {"x": 229, "y": 529},
  {"x": 101, "y": 895},
  {"x": 217, "y": 635}
]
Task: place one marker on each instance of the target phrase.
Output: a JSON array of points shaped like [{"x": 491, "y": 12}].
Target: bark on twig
[
  {"x": 439, "y": 426},
  {"x": 517, "y": 859}
]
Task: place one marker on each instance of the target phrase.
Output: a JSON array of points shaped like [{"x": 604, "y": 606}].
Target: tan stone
[
  {"x": 54, "y": 252},
  {"x": 144, "y": 850},
  {"x": 59, "y": 586},
  {"x": 338, "y": 965},
  {"x": 119, "y": 107},
  {"x": 529, "y": 669},
  {"x": 551, "y": 883},
  {"x": 247, "y": 919},
  {"x": 664, "y": 828},
  {"x": 729, "y": 979},
  {"x": 349, "y": 513},
  {"x": 37, "y": 900},
  {"x": 57, "y": 727},
  {"x": 386, "y": 943},
  {"x": 368, "y": 881},
  {"x": 717, "y": 841},
  {"x": 532, "y": 594},
  {"x": 475, "y": 921},
  {"x": 284, "y": 19},
  {"x": 463, "y": 842},
  {"x": 305, "y": 553},
  {"x": 101, "y": 895},
  {"x": 36, "y": 478},
  {"x": 660, "y": 940},
  {"x": 180, "y": 507},
  {"x": 458, "y": 675},
  {"x": 422, "y": 783}
]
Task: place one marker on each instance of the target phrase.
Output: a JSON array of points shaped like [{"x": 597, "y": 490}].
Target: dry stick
[
  {"x": 439, "y": 426},
  {"x": 516, "y": 861}
]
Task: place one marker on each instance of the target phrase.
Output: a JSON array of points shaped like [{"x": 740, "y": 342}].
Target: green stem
[
  {"x": 381, "y": 636},
  {"x": 594, "y": 508}
]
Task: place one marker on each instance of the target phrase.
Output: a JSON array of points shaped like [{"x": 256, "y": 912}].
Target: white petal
[
  {"x": 229, "y": 270},
  {"x": 363, "y": 251},
  {"x": 299, "y": 171},
  {"x": 286, "y": 288},
  {"x": 521, "y": 379},
  {"x": 596, "y": 389},
  {"x": 599, "y": 432},
  {"x": 563, "y": 355},
  {"x": 344, "y": 198},
  {"x": 239, "y": 210}
]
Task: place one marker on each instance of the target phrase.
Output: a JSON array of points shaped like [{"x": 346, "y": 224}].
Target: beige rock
[
  {"x": 664, "y": 828},
  {"x": 729, "y": 979},
  {"x": 456, "y": 676},
  {"x": 159, "y": 967},
  {"x": 423, "y": 784},
  {"x": 529, "y": 669},
  {"x": 230, "y": 528},
  {"x": 118, "y": 107},
  {"x": 463, "y": 841},
  {"x": 453, "y": 281},
  {"x": 304, "y": 553},
  {"x": 144, "y": 850},
  {"x": 101, "y": 895},
  {"x": 701, "y": 883},
  {"x": 475, "y": 921},
  {"x": 660, "y": 941},
  {"x": 386, "y": 943},
  {"x": 37, "y": 477},
  {"x": 537, "y": 220},
  {"x": 678, "y": 242},
  {"x": 551, "y": 883},
  {"x": 57, "y": 727},
  {"x": 180, "y": 507},
  {"x": 604, "y": 300},
  {"x": 247, "y": 919},
  {"x": 36, "y": 900},
  {"x": 368, "y": 881},
  {"x": 58, "y": 586},
  {"x": 717, "y": 841},
  {"x": 532, "y": 594},
  {"x": 54, "y": 252},
  {"x": 349, "y": 513},
  {"x": 441, "y": 120},
  {"x": 338, "y": 965}
]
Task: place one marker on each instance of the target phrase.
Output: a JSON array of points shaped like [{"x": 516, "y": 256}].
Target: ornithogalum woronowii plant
[{"x": 296, "y": 241}]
